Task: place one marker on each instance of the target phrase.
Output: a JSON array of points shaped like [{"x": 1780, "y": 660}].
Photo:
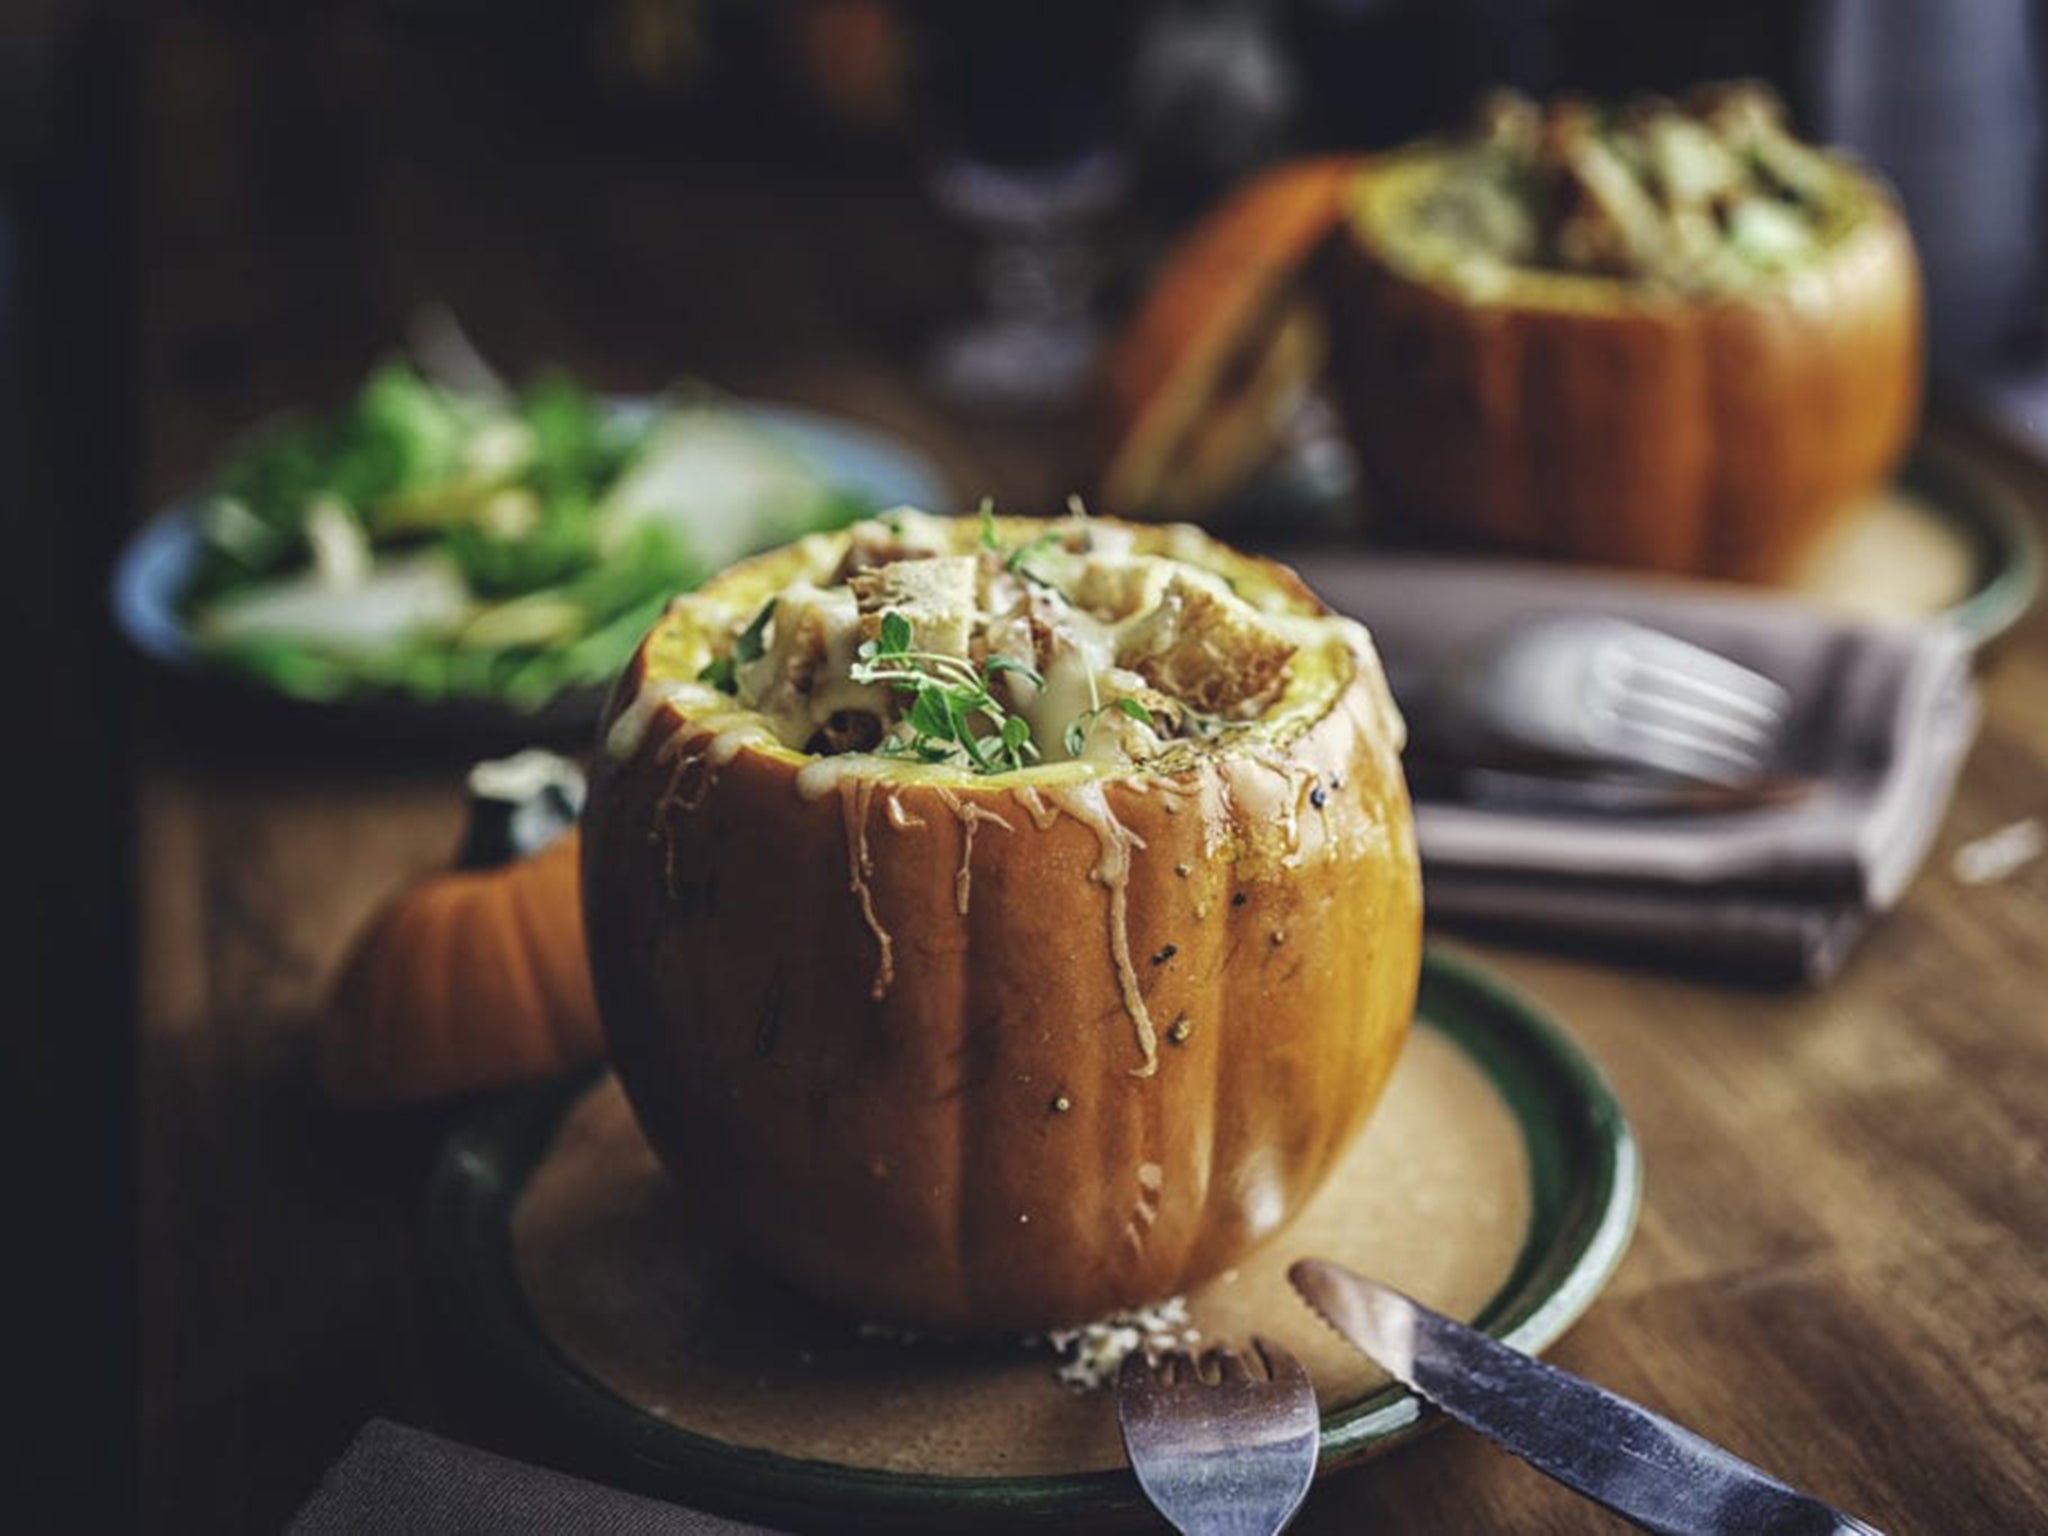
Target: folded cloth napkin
[
  {"x": 398, "y": 1480},
  {"x": 1880, "y": 719}
]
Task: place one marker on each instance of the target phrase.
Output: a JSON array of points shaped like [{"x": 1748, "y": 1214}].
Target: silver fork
[
  {"x": 1600, "y": 692},
  {"x": 1221, "y": 1446}
]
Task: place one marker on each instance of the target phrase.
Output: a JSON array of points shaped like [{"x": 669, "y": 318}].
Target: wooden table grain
[{"x": 1841, "y": 1270}]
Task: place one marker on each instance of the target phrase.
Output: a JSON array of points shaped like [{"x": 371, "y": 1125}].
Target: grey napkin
[
  {"x": 1881, "y": 718},
  {"x": 395, "y": 1481}
]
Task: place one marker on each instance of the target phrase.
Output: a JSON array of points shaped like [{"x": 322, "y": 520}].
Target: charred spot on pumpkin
[
  {"x": 1166, "y": 954},
  {"x": 1238, "y": 898}
]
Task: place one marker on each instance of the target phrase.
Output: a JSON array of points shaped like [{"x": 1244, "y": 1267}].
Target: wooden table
[{"x": 1842, "y": 1265}]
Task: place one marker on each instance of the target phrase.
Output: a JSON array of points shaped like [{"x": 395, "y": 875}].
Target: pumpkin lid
[
  {"x": 473, "y": 977},
  {"x": 1227, "y": 342}
]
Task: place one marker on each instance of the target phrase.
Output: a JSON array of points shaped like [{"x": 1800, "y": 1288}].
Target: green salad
[{"x": 505, "y": 546}]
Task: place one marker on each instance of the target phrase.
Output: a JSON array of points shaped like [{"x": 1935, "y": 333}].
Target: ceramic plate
[
  {"x": 1951, "y": 537},
  {"x": 1573, "y": 1163},
  {"x": 153, "y": 569}
]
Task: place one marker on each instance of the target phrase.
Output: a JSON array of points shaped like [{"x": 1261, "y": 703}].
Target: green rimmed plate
[
  {"x": 1950, "y": 538},
  {"x": 1517, "y": 1220}
]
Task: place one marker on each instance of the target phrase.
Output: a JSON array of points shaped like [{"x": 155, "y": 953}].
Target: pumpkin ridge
[
  {"x": 433, "y": 972},
  {"x": 964, "y": 1130},
  {"x": 539, "y": 901}
]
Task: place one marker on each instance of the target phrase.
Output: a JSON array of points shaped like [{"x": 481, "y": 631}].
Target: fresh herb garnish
[
  {"x": 1014, "y": 562},
  {"x": 722, "y": 672},
  {"x": 1077, "y": 733},
  {"x": 989, "y": 541},
  {"x": 948, "y": 697}
]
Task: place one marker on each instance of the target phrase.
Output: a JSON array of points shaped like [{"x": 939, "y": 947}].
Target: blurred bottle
[
  {"x": 1023, "y": 104},
  {"x": 1947, "y": 100}
]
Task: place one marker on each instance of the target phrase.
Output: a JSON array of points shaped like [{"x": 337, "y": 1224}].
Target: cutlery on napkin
[{"x": 1770, "y": 887}]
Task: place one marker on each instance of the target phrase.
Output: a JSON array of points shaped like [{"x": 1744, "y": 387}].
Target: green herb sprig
[
  {"x": 1083, "y": 723},
  {"x": 1014, "y": 558},
  {"x": 1014, "y": 561},
  {"x": 948, "y": 695},
  {"x": 722, "y": 672}
]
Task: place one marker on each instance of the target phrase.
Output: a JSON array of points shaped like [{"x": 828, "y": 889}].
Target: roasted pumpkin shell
[
  {"x": 998, "y": 1052},
  {"x": 1200, "y": 385},
  {"x": 1592, "y": 418}
]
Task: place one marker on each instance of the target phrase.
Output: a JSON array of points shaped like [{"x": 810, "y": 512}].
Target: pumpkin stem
[{"x": 518, "y": 805}]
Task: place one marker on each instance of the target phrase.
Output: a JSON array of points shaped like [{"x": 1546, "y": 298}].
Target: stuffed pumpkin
[
  {"x": 999, "y": 924},
  {"x": 1663, "y": 336}
]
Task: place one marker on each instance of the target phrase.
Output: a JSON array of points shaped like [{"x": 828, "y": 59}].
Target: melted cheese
[
  {"x": 1087, "y": 804},
  {"x": 855, "y": 797},
  {"x": 970, "y": 816},
  {"x": 1251, "y": 784}
]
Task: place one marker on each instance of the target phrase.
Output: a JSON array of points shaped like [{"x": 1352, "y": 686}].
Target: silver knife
[{"x": 1644, "y": 1467}]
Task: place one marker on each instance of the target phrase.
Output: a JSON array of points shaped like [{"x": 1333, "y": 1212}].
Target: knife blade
[{"x": 1615, "y": 1452}]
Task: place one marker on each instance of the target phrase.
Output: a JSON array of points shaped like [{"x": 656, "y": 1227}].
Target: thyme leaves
[
  {"x": 953, "y": 713},
  {"x": 1084, "y": 723},
  {"x": 722, "y": 672}
]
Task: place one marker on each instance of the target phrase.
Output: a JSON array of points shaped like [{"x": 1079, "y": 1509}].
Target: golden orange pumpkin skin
[
  {"x": 470, "y": 980},
  {"x": 968, "y": 1136},
  {"x": 1583, "y": 418}
]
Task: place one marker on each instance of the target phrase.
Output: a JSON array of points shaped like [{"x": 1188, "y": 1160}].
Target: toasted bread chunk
[
  {"x": 1025, "y": 631},
  {"x": 1208, "y": 649},
  {"x": 1115, "y": 587},
  {"x": 937, "y": 596},
  {"x": 1169, "y": 718},
  {"x": 799, "y": 647},
  {"x": 884, "y": 541}
]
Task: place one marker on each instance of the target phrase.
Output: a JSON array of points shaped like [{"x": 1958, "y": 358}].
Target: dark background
[{"x": 215, "y": 208}]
